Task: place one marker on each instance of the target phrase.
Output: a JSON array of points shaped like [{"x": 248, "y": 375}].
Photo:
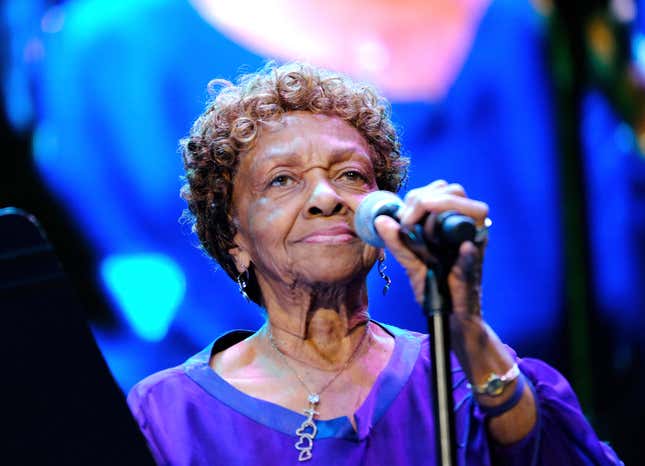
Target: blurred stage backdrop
[{"x": 536, "y": 107}]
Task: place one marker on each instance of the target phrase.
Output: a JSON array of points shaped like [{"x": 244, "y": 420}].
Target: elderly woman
[{"x": 276, "y": 167}]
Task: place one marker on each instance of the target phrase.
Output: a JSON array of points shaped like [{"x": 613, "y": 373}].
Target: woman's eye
[
  {"x": 354, "y": 175},
  {"x": 281, "y": 180}
]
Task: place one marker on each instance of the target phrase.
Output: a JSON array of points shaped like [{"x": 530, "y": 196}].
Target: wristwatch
[{"x": 495, "y": 383}]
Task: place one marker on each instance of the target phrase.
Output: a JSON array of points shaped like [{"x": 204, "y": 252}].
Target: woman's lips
[{"x": 332, "y": 235}]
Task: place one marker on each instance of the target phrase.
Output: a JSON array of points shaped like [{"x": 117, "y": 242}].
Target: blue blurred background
[{"x": 535, "y": 107}]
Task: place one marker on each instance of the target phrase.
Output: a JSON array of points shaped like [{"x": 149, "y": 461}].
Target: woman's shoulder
[
  {"x": 162, "y": 380},
  {"x": 401, "y": 333},
  {"x": 166, "y": 386},
  {"x": 167, "y": 383},
  {"x": 178, "y": 381}
]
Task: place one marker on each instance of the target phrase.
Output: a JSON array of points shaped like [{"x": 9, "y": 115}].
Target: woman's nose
[{"x": 324, "y": 200}]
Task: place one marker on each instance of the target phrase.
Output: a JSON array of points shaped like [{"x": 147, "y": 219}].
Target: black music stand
[{"x": 61, "y": 405}]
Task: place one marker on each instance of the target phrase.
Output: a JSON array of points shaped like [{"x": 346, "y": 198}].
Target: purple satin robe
[{"x": 191, "y": 416}]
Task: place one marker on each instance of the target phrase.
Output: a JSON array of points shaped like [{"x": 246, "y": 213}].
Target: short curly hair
[{"x": 232, "y": 122}]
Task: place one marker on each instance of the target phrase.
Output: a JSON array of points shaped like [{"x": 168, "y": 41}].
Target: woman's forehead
[{"x": 299, "y": 136}]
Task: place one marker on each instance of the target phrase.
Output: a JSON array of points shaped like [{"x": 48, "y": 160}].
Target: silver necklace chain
[{"x": 308, "y": 429}]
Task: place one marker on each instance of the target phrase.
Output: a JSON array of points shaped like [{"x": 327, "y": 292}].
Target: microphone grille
[{"x": 375, "y": 204}]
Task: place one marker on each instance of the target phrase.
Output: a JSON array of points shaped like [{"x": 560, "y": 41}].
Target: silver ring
[{"x": 482, "y": 232}]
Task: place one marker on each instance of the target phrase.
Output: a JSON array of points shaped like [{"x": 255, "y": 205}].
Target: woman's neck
[{"x": 320, "y": 325}]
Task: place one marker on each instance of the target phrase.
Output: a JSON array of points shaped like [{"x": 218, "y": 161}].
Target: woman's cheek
[{"x": 267, "y": 218}]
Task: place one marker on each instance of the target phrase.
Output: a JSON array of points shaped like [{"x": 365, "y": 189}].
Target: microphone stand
[
  {"x": 437, "y": 307},
  {"x": 437, "y": 311}
]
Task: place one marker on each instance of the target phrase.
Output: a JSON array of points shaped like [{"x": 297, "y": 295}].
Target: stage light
[
  {"x": 412, "y": 50},
  {"x": 147, "y": 288}
]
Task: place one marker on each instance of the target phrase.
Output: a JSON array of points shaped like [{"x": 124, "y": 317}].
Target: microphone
[{"x": 444, "y": 231}]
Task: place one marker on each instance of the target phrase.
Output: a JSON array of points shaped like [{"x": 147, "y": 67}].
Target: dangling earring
[
  {"x": 242, "y": 282},
  {"x": 381, "y": 271}
]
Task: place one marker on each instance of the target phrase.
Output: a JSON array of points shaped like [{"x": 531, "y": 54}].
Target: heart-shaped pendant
[
  {"x": 305, "y": 455},
  {"x": 307, "y": 429},
  {"x": 305, "y": 443}
]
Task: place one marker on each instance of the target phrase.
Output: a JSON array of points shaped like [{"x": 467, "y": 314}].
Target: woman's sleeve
[
  {"x": 137, "y": 400},
  {"x": 562, "y": 435}
]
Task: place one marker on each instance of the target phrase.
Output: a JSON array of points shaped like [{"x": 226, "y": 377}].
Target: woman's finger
[
  {"x": 438, "y": 186},
  {"x": 388, "y": 229},
  {"x": 414, "y": 194},
  {"x": 420, "y": 206},
  {"x": 456, "y": 189}
]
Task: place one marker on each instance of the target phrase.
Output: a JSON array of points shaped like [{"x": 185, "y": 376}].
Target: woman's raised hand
[{"x": 464, "y": 279}]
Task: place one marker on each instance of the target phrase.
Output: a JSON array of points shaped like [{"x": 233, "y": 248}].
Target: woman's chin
[
  {"x": 322, "y": 267},
  {"x": 328, "y": 273}
]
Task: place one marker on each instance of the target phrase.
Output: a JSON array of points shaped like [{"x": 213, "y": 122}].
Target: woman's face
[{"x": 294, "y": 200}]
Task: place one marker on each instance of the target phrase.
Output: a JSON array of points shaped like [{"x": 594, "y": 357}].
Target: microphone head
[
  {"x": 375, "y": 204},
  {"x": 455, "y": 228}
]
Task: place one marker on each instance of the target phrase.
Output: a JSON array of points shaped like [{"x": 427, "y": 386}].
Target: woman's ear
[{"x": 240, "y": 255}]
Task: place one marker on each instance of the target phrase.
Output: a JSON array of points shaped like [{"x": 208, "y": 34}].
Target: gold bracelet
[{"x": 495, "y": 383}]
